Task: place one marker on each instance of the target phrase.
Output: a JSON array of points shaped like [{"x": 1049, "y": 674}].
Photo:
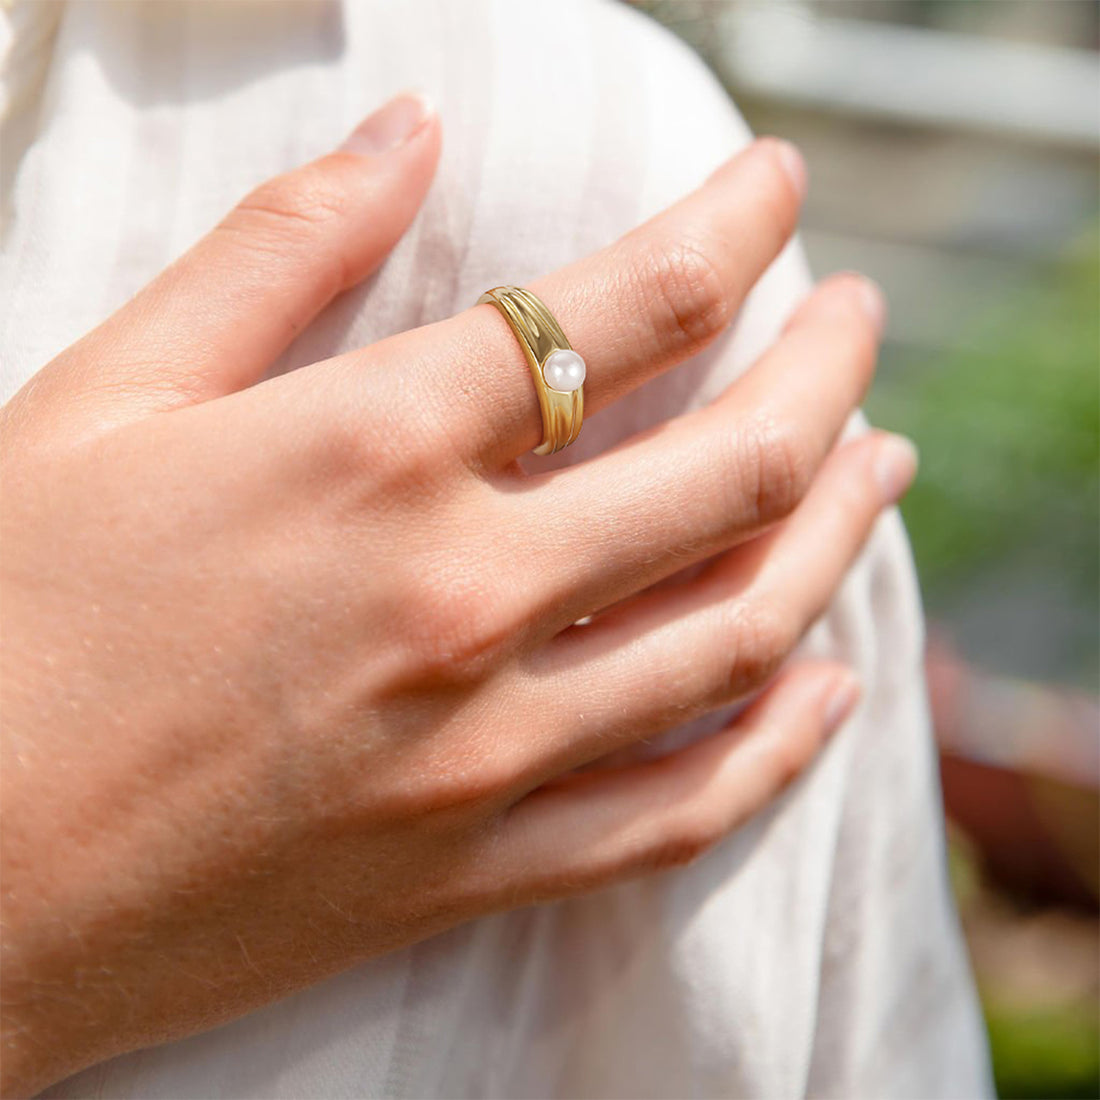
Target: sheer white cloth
[{"x": 816, "y": 953}]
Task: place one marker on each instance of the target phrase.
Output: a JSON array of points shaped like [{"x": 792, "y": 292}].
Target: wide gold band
[{"x": 540, "y": 336}]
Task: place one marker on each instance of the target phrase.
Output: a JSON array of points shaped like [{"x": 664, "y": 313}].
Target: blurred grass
[
  {"x": 1049, "y": 1054},
  {"x": 1009, "y": 433},
  {"x": 1008, "y": 425},
  {"x": 1045, "y": 1043}
]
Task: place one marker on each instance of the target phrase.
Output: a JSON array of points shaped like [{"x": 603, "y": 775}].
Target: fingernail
[
  {"x": 873, "y": 302},
  {"x": 853, "y": 287},
  {"x": 792, "y": 163},
  {"x": 841, "y": 698},
  {"x": 895, "y": 467},
  {"x": 390, "y": 126}
]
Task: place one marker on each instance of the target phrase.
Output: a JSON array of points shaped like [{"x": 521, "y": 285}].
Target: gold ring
[{"x": 557, "y": 369}]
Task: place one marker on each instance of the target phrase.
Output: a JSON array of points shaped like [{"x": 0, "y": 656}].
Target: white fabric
[{"x": 816, "y": 953}]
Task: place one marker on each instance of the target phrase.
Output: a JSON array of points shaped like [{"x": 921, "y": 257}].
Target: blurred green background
[{"x": 952, "y": 148}]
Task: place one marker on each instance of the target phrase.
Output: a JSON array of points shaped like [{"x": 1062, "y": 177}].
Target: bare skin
[{"x": 291, "y": 672}]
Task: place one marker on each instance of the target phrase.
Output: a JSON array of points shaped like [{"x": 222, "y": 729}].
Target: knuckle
[
  {"x": 683, "y": 841},
  {"x": 290, "y": 212},
  {"x": 345, "y": 448},
  {"x": 777, "y": 469},
  {"x": 788, "y": 756},
  {"x": 376, "y": 448},
  {"x": 297, "y": 201},
  {"x": 685, "y": 293},
  {"x": 472, "y": 784},
  {"x": 762, "y": 641},
  {"x": 467, "y": 627}
]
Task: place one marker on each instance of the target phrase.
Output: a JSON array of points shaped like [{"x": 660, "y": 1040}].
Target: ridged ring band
[{"x": 558, "y": 371}]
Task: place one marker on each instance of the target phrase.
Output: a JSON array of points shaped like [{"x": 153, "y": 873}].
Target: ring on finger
[{"x": 558, "y": 371}]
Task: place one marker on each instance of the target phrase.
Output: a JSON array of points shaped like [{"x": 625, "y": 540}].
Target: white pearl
[{"x": 564, "y": 370}]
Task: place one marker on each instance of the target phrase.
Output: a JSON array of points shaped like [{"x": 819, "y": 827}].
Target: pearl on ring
[{"x": 564, "y": 370}]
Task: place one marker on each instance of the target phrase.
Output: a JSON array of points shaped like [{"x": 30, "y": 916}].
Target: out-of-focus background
[{"x": 952, "y": 147}]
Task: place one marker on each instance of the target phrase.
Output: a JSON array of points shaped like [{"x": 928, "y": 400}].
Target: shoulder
[{"x": 610, "y": 82}]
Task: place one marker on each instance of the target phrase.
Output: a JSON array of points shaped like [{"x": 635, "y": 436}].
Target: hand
[{"x": 292, "y": 677}]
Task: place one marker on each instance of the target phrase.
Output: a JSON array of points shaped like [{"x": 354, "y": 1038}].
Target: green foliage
[
  {"x": 1046, "y": 1055},
  {"x": 1009, "y": 432}
]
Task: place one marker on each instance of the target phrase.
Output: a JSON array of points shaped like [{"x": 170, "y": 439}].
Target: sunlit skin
[{"x": 291, "y": 677}]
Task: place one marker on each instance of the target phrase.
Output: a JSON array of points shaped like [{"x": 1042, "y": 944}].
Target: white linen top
[{"x": 816, "y": 952}]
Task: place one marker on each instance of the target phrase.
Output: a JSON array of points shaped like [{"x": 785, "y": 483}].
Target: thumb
[{"x": 215, "y": 320}]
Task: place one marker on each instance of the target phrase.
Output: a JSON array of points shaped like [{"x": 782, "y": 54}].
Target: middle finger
[
  {"x": 670, "y": 655},
  {"x": 704, "y": 481}
]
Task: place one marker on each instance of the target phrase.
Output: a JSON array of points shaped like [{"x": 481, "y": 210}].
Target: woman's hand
[{"x": 291, "y": 675}]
